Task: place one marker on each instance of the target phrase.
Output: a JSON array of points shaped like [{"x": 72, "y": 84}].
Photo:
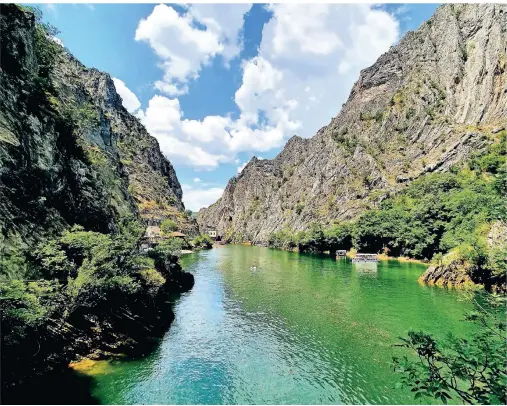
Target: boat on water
[{"x": 362, "y": 257}]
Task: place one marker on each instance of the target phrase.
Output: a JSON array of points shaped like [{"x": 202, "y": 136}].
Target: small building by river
[
  {"x": 153, "y": 236},
  {"x": 181, "y": 236},
  {"x": 211, "y": 232}
]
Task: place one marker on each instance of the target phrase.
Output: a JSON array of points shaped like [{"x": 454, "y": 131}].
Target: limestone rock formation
[
  {"x": 70, "y": 153},
  {"x": 452, "y": 275},
  {"x": 454, "y": 272},
  {"x": 431, "y": 100}
]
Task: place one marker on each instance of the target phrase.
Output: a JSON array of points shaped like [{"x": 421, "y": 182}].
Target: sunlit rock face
[{"x": 429, "y": 102}]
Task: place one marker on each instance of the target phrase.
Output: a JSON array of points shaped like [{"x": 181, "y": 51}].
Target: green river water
[{"x": 297, "y": 329}]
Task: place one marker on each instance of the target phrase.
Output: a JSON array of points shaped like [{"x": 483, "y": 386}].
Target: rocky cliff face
[
  {"x": 455, "y": 272},
  {"x": 426, "y": 104},
  {"x": 69, "y": 151}
]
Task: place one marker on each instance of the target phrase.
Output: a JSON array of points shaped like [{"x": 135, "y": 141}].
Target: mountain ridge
[
  {"x": 70, "y": 153},
  {"x": 426, "y": 104}
]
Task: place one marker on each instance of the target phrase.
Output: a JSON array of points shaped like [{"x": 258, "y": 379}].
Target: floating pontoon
[{"x": 365, "y": 258}]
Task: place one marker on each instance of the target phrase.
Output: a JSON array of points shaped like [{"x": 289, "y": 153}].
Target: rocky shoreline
[
  {"x": 72, "y": 155},
  {"x": 453, "y": 275},
  {"x": 115, "y": 327},
  {"x": 457, "y": 275}
]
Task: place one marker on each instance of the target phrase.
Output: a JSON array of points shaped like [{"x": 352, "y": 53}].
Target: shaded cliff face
[
  {"x": 152, "y": 181},
  {"x": 69, "y": 152},
  {"x": 426, "y": 104}
]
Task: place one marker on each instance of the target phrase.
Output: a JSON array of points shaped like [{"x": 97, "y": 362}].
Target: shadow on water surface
[
  {"x": 62, "y": 388},
  {"x": 69, "y": 387},
  {"x": 300, "y": 329}
]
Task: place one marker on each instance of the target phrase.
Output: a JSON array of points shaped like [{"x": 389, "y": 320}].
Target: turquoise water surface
[{"x": 295, "y": 329}]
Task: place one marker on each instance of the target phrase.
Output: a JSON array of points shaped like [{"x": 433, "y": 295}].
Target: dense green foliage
[
  {"x": 65, "y": 292},
  {"x": 473, "y": 369},
  {"x": 47, "y": 50},
  {"x": 168, "y": 226},
  {"x": 41, "y": 200},
  {"x": 315, "y": 239},
  {"x": 77, "y": 270},
  {"x": 202, "y": 241},
  {"x": 436, "y": 214},
  {"x": 167, "y": 248}
]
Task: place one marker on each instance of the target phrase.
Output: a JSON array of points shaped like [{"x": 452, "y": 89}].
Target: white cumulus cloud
[
  {"x": 129, "y": 99},
  {"x": 196, "y": 198},
  {"x": 188, "y": 40},
  {"x": 215, "y": 139},
  {"x": 347, "y": 38},
  {"x": 304, "y": 29},
  {"x": 163, "y": 120},
  {"x": 309, "y": 57}
]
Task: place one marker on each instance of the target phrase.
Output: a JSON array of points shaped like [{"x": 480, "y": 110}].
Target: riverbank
[
  {"x": 384, "y": 257},
  {"x": 351, "y": 254},
  {"x": 117, "y": 324},
  {"x": 275, "y": 328},
  {"x": 452, "y": 275}
]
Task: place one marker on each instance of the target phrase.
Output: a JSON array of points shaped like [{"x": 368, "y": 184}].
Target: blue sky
[{"x": 217, "y": 84}]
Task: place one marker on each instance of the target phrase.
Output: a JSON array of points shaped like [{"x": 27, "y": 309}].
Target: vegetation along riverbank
[
  {"x": 93, "y": 224},
  {"x": 458, "y": 220},
  {"x": 413, "y": 164},
  {"x": 74, "y": 281}
]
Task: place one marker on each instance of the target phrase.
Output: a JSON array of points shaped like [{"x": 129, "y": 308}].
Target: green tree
[
  {"x": 312, "y": 240},
  {"x": 437, "y": 213},
  {"x": 26, "y": 305},
  {"x": 170, "y": 247},
  {"x": 202, "y": 241},
  {"x": 47, "y": 51},
  {"x": 338, "y": 236},
  {"x": 168, "y": 226},
  {"x": 472, "y": 369}
]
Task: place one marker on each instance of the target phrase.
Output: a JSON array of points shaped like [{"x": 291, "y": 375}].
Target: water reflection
[
  {"x": 366, "y": 268},
  {"x": 297, "y": 329}
]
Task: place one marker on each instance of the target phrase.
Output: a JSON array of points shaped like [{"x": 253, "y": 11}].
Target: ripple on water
[{"x": 298, "y": 329}]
